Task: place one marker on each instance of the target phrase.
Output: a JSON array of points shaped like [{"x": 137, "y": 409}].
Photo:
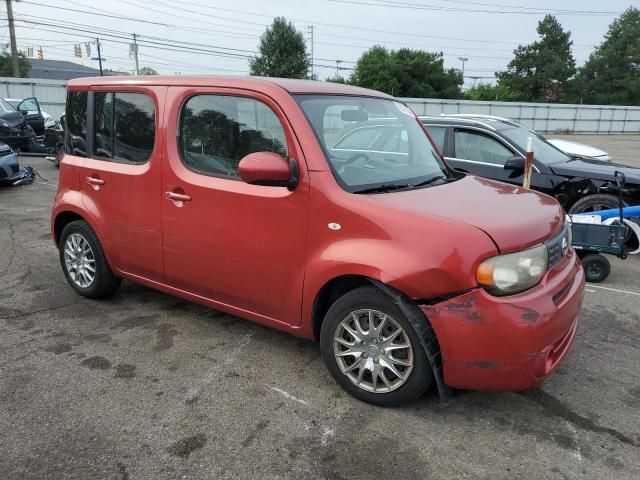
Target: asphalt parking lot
[{"x": 148, "y": 386}]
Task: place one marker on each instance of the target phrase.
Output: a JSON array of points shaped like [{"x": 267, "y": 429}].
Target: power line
[{"x": 420, "y": 6}]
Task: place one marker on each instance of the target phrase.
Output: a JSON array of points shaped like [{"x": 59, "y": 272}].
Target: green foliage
[
  {"x": 406, "y": 73},
  {"x": 541, "y": 71},
  {"x": 6, "y": 67},
  {"x": 148, "y": 71},
  {"x": 488, "y": 92},
  {"x": 611, "y": 75},
  {"x": 337, "y": 79},
  {"x": 283, "y": 52}
]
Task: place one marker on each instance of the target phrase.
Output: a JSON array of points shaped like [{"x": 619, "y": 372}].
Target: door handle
[
  {"x": 178, "y": 199},
  {"x": 95, "y": 183}
]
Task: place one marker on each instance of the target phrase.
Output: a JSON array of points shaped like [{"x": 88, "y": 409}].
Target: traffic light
[
  {"x": 78, "y": 50},
  {"x": 41, "y": 53}
]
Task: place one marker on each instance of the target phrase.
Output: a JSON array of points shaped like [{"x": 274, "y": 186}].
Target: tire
[
  {"x": 75, "y": 237},
  {"x": 415, "y": 375},
  {"x": 596, "y": 267},
  {"x": 588, "y": 203}
]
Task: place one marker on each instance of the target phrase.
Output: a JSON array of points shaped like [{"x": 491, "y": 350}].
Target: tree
[
  {"x": 337, "y": 79},
  {"x": 148, "y": 71},
  {"x": 406, "y": 73},
  {"x": 6, "y": 67},
  {"x": 488, "y": 92},
  {"x": 611, "y": 75},
  {"x": 541, "y": 71},
  {"x": 283, "y": 52}
]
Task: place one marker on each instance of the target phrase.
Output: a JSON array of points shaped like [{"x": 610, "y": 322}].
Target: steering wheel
[{"x": 355, "y": 157}]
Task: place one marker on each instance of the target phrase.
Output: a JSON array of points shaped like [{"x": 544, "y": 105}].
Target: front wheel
[{"x": 372, "y": 350}]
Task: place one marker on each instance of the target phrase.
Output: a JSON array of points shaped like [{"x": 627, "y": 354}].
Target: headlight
[{"x": 514, "y": 272}]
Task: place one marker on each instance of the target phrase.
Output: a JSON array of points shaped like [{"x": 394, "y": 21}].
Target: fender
[{"x": 72, "y": 201}]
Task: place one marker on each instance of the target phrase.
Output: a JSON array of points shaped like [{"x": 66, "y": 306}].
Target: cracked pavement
[{"x": 148, "y": 386}]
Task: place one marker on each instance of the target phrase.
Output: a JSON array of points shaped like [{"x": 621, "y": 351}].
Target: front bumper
[
  {"x": 509, "y": 343},
  {"x": 9, "y": 169}
]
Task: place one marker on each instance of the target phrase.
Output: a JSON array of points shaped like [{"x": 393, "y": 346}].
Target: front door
[
  {"x": 121, "y": 177},
  {"x": 241, "y": 245}
]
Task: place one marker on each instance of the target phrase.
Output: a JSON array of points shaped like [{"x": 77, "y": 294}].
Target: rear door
[
  {"x": 121, "y": 176},
  {"x": 238, "y": 244}
]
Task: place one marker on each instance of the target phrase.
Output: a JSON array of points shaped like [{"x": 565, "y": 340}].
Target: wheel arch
[{"x": 338, "y": 286}]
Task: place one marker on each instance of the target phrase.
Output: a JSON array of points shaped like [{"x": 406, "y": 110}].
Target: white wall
[
  {"x": 542, "y": 117},
  {"x": 51, "y": 94}
]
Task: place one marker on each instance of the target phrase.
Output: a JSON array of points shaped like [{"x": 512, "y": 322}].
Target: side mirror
[
  {"x": 24, "y": 112},
  {"x": 515, "y": 163},
  {"x": 269, "y": 169}
]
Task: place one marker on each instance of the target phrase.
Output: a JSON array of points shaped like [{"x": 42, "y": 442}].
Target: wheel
[
  {"x": 84, "y": 263},
  {"x": 372, "y": 350},
  {"x": 596, "y": 267},
  {"x": 594, "y": 203}
]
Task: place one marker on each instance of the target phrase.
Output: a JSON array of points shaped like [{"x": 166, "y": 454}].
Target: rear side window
[
  {"x": 217, "y": 131},
  {"x": 76, "y": 122},
  {"x": 124, "y": 126}
]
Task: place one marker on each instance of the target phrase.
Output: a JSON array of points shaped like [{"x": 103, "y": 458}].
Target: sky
[{"x": 190, "y": 37}]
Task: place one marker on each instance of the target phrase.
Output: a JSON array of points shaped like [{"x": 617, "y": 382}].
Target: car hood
[
  {"x": 596, "y": 170},
  {"x": 575, "y": 148},
  {"x": 12, "y": 118},
  {"x": 514, "y": 217}
]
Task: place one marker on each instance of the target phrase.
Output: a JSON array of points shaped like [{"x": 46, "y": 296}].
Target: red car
[{"x": 322, "y": 210}]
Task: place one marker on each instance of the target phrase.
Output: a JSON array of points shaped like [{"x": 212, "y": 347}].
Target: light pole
[{"x": 463, "y": 60}]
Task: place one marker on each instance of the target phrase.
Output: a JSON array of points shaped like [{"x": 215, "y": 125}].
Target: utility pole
[
  {"x": 12, "y": 34},
  {"x": 338, "y": 62},
  {"x": 135, "y": 53},
  {"x": 310, "y": 28},
  {"x": 99, "y": 56}
]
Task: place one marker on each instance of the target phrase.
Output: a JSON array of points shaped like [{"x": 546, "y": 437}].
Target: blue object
[{"x": 628, "y": 212}]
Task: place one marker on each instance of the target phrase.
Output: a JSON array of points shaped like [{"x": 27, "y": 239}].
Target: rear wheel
[
  {"x": 596, "y": 267},
  {"x": 372, "y": 350},
  {"x": 84, "y": 263}
]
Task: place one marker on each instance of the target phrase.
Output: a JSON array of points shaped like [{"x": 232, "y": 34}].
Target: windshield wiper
[
  {"x": 388, "y": 187},
  {"x": 431, "y": 180},
  {"x": 384, "y": 187}
]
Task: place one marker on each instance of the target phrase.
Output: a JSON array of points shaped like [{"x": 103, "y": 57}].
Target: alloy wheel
[
  {"x": 79, "y": 260},
  {"x": 373, "y": 351}
]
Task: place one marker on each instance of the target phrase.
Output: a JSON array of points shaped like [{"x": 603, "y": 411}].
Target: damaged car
[
  {"x": 495, "y": 148},
  {"x": 9, "y": 165},
  {"x": 16, "y": 131},
  {"x": 247, "y": 195}
]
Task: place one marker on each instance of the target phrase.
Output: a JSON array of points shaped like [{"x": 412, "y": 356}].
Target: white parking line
[{"x": 614, "y": 290}]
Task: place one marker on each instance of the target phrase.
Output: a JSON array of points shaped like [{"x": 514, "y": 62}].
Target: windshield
[
  {"x": 6, "y": 106},
  {"x": 542, "y": 150},
  {"x": 371, "y": 142}
]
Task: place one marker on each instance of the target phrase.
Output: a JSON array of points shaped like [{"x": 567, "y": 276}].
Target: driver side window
[{"x": 477, "y": 147}]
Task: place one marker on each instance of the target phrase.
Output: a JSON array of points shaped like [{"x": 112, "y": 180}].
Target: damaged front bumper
[{"x": 509, "y": 343}]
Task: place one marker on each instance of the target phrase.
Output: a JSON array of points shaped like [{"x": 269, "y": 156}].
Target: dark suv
[{"x": 495, "y": 147}]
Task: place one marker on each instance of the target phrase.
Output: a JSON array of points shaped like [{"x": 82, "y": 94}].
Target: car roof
[
  {"x": 489, "y": 122},
  {"x": 293, "y": 86}
]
